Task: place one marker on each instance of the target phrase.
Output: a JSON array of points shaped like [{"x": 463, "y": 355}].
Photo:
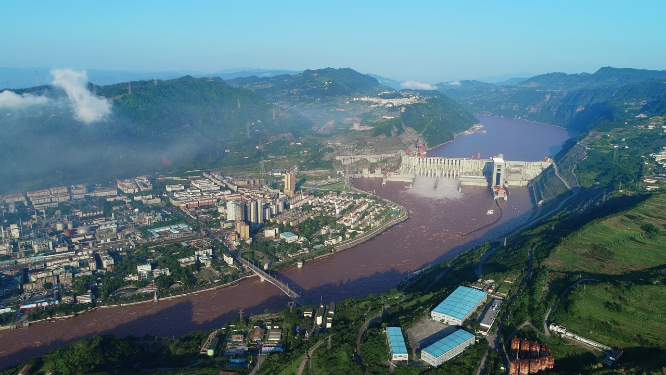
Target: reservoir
[{"x": 432, "y": 234}]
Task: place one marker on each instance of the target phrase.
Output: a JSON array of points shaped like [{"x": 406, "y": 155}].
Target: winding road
[
  {"x": 545, "y": 319},
  {"x": 308, "y": 356}
]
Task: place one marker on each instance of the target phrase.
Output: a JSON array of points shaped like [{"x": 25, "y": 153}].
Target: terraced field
[
  {"x": 627, "y": 242},
  {"x": 618, "y": 314}
]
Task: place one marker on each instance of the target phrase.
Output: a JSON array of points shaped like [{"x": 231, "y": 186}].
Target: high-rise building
[
  {"x": 231, "y": 210},
  {"x": 290, "y": 183},
  {"x": 260, "y": 210},
  {"x": 254, "y": 217},
  {"x": 243, "y": 230}
]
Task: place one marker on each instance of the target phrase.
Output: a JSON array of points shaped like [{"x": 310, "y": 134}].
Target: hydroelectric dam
[{"x": 495, "y": 173}]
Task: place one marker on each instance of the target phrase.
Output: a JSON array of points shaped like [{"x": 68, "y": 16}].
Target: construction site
[{"x": 529, "y": 357}]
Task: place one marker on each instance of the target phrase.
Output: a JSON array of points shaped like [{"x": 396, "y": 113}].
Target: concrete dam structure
[{"x": 476, "y": 172}]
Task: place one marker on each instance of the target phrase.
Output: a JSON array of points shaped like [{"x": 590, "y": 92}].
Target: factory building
[
  {"x": 396, "y": 344},
  {"x": 458, "y": 306},
  {"x": 447, "y": 348}
]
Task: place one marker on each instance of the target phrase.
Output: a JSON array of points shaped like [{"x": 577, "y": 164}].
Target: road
[
  {"x": 493, "y": 340},
  {"x": 308, "y": 356},
  {"x": 557, "y": 173},
  {"x": 545, "y": 319},
  {"x": 260, "y": 360}
]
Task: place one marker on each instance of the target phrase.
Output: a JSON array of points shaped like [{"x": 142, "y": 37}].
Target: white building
[
  {"x": 458, "y": 306},
  {"x": 396, "y": 342},
  {"x": 447, "y": 348},
  {"x": 144, "y": 271}
]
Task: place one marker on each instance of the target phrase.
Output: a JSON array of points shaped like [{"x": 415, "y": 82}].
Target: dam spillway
[{"x": 471, "y": 171}]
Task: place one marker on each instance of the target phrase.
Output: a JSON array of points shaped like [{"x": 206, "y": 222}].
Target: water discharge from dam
[{"x": 432, "y": 234}]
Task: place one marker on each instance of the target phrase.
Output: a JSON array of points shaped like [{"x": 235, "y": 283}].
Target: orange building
[
  {"x": 243, "y": 230},
  {"x": 290, "y": 184}
]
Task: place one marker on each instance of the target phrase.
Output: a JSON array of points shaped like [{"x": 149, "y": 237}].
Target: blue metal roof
[
  {"x": 396, "y": 340},
  {"x": 460, "y": 302},
  {"x": 447, "y": 343},
  {"x": 289, "y": 234}
]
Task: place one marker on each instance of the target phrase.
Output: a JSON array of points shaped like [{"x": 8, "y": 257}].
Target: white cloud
[
  {"x": 87, "y": 107},
  {"x": 453, "y": 83},
  {"x": 11, "y": 100},
  {"x": 417, "y": 85}
]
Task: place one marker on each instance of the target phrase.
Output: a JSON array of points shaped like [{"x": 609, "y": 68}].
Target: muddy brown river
[{"x": 432, "y": 234}]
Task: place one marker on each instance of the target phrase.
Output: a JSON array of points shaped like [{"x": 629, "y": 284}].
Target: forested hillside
[
  {"x": 438, "y": 120},
  {"x": 575, "y": 101},
  {"x": 312, "y": 85},
  {"x": 169, "y": 126}
]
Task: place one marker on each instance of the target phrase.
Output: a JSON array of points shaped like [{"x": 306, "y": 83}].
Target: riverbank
[{"x": 431, "y": 235}]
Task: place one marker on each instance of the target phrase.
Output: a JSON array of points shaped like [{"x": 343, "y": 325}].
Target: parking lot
[{"x": 426, "y": 332}]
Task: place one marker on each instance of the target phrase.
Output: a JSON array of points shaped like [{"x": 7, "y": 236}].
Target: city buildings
[
  {"x": 447, "y": 348},
  {"x": 458, "y": 306}
]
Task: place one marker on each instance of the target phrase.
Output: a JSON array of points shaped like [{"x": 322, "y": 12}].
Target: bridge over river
[{"x": 282, "y": 286}]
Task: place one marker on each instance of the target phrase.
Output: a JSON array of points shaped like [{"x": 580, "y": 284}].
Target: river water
[{"x": 432, "y": 234}]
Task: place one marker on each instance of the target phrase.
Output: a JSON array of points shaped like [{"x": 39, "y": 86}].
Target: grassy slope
[
  {"x": 617, "y": 314},
  {"x": 615, "y": 245},
  {"x": 611, "y": 242}
]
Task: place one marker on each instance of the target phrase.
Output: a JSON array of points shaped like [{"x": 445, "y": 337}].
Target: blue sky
[{"x": 428, "y": 41}]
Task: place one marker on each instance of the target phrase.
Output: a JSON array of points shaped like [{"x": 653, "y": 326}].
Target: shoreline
[
  {"x": 519, "y": 118},
  {"x": 336, "y": 249}
]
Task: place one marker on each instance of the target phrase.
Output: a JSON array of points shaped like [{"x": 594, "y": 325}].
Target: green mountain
[
  {"x": 569, "y": 100},
  {"x": 396, "y": 85},
  {"x": 438, "y": 119},
  {"x": 180, "y": 124},
  {"x": 324, "y": 95},
  {"x": 312, "y": 85}
]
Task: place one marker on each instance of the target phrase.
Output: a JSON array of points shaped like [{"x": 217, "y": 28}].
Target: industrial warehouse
[
  {"x": 458, "y": 306},
  {"x": 447, "y": 348},
  {"x": 396, "y": 344}
]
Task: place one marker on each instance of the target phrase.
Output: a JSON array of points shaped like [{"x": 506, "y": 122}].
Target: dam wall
[{"x": 472, "y": 171}]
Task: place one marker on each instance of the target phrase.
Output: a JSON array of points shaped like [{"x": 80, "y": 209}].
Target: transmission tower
[
  {"x": 263, "y": 172},
  {"x": 240, "y": 311},
  {"x": 36, "y": 79},
  {"x": 129, "y": 88},
  {"x": 94, "y": 85},
  {"x": 290, "y": 304},
  {"x": 155, "y": 79},
  {"x": 247, "y": 131},
  {"x": 238, "y": 103},
  {"x": 274, "y": 122},
  {"x": 7, "y": 84}
]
